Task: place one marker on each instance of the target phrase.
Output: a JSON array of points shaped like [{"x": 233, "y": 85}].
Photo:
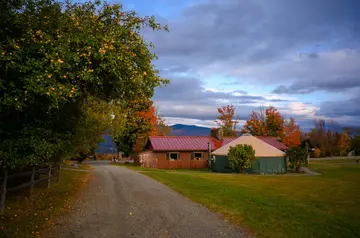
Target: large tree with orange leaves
[
  {"x": 291, "y": 133},
  {"x": 227, "y": 120},
  {"x": 266, "y": 122}
]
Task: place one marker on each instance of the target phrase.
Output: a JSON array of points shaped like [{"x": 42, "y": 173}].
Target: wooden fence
[{"x": 33, "y": 173}]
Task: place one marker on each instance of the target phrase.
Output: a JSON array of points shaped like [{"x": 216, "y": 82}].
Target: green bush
[
  {"x": 241, "y": 156},
  {"x": 297, "y": 157}
]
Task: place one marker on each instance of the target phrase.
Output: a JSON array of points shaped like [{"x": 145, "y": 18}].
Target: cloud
[
  {"x": 329, "y": 71},
  {"x": 348, "y": 108},
  {"x": 187, "y": 98},
  {"x": 291, "y": 47},
  {"x": 232, "y": 32}
]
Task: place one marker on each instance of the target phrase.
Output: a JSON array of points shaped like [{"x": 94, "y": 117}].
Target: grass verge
[
  {"x": 279, "y": 206},
  {"x": 66, "y": 164},
  {"x": 27, "y": 217}
]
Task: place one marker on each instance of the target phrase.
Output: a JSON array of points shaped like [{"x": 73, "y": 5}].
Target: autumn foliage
[
  {"x": 227, "y": 120},
  {"x": 317, "y": 153},
  {"x": 269, "y": 122},
  {"x": 291, "y": 133},
  {"x": 148, "y": 117},
  {"x": 264, "y": 123},
  {"x": 155, "y": 125},
  {"x": 344, "y": 143}
]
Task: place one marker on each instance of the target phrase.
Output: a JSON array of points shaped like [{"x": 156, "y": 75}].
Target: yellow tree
[{"x": 344, "y": 143}]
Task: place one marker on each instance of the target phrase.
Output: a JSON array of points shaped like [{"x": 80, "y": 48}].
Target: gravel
[{"x": 123, "y": 203}]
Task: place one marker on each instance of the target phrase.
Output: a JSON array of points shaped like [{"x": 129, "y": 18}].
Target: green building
[{"x": 270, "y": 160}]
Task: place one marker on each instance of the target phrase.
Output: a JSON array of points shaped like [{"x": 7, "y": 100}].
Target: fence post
[
  {"x": 58, "y": 175},
  {"x": 3, "y": 191},
  {"x": 49, "y": 177},
  {"x": 32, "y": 180}
]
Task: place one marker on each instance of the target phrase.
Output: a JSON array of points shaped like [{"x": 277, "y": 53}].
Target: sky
[{"x": 300, "y": 56}]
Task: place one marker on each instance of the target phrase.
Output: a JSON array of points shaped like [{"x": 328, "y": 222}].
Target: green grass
[
  {"x": 25, "y": 217},
  {"x": 280, "y": 205},
  {"x": 333, "y": 161}
]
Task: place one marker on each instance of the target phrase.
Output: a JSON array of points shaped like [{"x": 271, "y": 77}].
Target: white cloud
[{"x": 197, "y": 122}]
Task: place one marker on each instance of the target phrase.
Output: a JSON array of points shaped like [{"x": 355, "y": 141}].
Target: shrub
[
  {"x": 317, "y": 153},
  {"x": 241, "y": 156},
  {"x": 297, "y": 157}
]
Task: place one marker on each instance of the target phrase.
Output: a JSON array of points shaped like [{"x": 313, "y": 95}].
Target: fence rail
[{"x": 35, "y": 170}]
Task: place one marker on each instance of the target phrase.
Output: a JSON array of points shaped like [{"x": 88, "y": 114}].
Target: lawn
[
  {"x": 25, "y": 217},
  {"x": 280, "y": 205}
]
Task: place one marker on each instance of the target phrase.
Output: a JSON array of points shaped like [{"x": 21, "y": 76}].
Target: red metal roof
[
  {"x": 186, "y": 143},
  {"x": 200, "y": 143},
  {"x": 273, "y": 142}
]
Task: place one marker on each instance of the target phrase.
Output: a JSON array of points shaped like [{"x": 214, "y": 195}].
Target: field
[
  {"x": 278, "y": 205},
  {"x": 25, "y": 217}
]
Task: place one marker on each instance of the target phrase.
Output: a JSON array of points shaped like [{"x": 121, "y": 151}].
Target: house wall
[{"x": 152, "y": 159}]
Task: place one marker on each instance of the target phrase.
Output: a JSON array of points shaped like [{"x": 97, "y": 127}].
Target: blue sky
[{"x": 302, "y": 57}]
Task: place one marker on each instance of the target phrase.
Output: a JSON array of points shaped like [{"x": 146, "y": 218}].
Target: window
[
  {"x": 197, "y": 155},
  {"x": 174, "y": 156}
]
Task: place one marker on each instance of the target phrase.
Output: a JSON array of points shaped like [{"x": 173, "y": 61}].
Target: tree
[
  {"x": 266, "y": 122},
  {"x": 274, "y": 122},
  {"x": 54, "y": 57},
  {"x": 96, "y": 119},
  {"x": 322, "y": 137},
  {"x": 226, "y": 120},
  {"x": 344, "y": 143},
  {"x": 317, "y": 153},
  {"x": 256, "y": 125},
  {"x": 241, "y": 156},
  {"x": 356, "y": 142},
  {"x": 291, "y": 133},
  {"x": 162, "y": 129},
  {"x": 297, "y": 157},
  {"x": 139, "y": 122}
]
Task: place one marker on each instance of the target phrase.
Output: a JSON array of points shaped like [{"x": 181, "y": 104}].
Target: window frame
[
  {"x": 178, "y": 156},
  {"x": 194, "y": 157}
]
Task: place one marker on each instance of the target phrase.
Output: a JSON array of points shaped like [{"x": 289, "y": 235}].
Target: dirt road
[{"x": 123, "y": 203}]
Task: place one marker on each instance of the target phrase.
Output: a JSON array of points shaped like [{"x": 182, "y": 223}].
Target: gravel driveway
[{"x": 123, "y": 203}]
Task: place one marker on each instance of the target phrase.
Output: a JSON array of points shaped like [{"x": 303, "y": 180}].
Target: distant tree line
[
  {"x": 321, "y": 140},
  {"x": 327, "y": 142}
]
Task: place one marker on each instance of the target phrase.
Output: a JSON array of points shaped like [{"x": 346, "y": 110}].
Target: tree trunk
[
  {"x": 3, "y": 191},
  {"x": 297, "y": 169}
]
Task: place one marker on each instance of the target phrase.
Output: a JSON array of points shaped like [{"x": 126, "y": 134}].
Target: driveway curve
[{"x": 120, "y": 202}]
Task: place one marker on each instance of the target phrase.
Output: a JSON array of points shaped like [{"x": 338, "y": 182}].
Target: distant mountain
[
  {"x": 185, "y": 130},
  {"x": 107, "y": 145}
]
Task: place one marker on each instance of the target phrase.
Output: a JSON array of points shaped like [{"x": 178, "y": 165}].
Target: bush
[
  {"x": 297, "y": 157},
  {"x": 317, "y": 153},
  {"x": 241, "y": 156}
]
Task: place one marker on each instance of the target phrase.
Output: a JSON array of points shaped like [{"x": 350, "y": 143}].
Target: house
[
  {"x": 269, "y": 158},
  {"x": 171, "y": 152}
]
